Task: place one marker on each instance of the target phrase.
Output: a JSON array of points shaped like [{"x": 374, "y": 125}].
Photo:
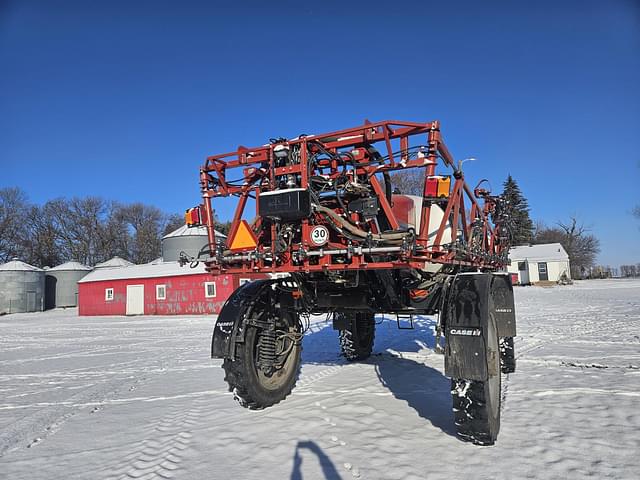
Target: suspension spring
[{"x": 267, "y": 349}]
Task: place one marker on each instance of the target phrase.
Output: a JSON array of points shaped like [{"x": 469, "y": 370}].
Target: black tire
[
  {"x": 476, "y": 404},
  {"x": 253, "y": 388},
  {"x": 356, "y": 341},
  {"x": 507, "y": 355}
]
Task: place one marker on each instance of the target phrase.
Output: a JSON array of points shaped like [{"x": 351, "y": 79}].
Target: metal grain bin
[
  {"x": 187, "y": 240},
  {"x": 21, "y": 287},
  {"x": 61, "y": 284},
  {"x": 114, "y": 262}
]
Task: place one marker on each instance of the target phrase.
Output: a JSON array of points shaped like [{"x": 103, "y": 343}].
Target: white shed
[{"x": 539, "y": 263}]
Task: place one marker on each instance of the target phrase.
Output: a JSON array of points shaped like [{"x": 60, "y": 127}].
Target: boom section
[{"x": 328, "y": 203}]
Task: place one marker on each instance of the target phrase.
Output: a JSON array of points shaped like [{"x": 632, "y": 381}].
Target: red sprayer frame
[{"x": 475, "y": 241}]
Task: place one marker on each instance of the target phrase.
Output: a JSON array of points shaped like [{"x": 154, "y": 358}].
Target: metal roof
[
  {"x": 18, "y": 266},
  {"x": 147, "y": 270},
  {"x": 69, "y": 266},
  {"x": 114, "y": 262},
  {"x": 195, "y": 231},
  {"x": 545, "y": 252}
]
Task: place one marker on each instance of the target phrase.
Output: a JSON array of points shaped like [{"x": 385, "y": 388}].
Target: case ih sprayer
[{"x": 336, "y": 237}]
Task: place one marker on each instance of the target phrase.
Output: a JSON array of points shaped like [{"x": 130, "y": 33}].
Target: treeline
[
  {"x": 628, "y": 271},
  {"x": 89, "y": 230}
]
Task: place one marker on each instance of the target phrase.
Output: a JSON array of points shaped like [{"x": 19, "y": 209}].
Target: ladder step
[{"x": 405, "y": 317}]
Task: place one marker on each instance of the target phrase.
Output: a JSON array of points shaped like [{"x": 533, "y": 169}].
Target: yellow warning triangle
[{"x": 243, "y": 238}]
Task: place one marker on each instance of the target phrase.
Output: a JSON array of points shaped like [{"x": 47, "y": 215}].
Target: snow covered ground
[{"x": 118, "y": 397}]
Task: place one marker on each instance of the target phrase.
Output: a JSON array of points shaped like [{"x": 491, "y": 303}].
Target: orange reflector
[
  {"x": 417, "y": 293},
  {"x": 192, "y": 217},
  {"x": 243, "y": 238},
  {"x": 444, "y": 186}
]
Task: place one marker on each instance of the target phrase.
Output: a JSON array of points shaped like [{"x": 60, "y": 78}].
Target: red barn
[{"x": 157, "y": 288}]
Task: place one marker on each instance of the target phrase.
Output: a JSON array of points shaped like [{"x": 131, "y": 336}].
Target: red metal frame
[{"x": 487, "y": 249}]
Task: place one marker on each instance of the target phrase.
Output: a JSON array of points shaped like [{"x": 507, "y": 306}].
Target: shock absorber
[{"x": 267, "y": 349}]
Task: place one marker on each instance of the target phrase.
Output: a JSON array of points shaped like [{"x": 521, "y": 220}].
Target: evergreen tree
[{"x": 517, "y": 210}]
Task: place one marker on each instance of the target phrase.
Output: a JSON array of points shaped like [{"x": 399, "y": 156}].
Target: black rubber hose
[
  {"x": 384, "y": 237},
  {"x": 387, "y": 186}
]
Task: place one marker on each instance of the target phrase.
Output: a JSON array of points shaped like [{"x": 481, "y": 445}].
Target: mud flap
[
  {"x": 230, "y": 323},
  {"x": 467, "y": 312},
  {"x": 503, "y": 305}
]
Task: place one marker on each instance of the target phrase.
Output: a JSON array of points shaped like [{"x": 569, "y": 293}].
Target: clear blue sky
[{"x": 125, "y": 99}]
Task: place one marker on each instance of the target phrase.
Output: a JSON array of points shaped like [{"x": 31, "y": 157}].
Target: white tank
[{"x": 408, "y": 210}]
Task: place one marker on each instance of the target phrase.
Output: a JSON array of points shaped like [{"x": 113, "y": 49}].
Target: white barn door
[{"x": 135, "y": 299}]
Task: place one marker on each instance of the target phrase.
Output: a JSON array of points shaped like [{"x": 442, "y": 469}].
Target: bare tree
[
  {"x": 409, "y": 182},
  {"x": 89, "y": 230},
  {"x": 113, "y": 234},
  {"x": 224, "y": 227},
  {"x": 581, "y": 246},
  {"x": 41, "y": 246},
  {"x": 146, "y": 226},
  {"x": 13, "y": 206},
  {"x": 630, "y": 270},
  {"x": 172, "y": 222},
  {"x": 78, "y": 222}
]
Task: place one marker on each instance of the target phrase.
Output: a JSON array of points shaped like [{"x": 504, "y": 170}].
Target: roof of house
[
  {"x": 18, "y": 266},
  {"x": 114, "y": 262},
  {"x": 192, "y": 231},
  {"x": 69, "y": 266},
  {"x": 548, "y": 252},
  {"x": 147, "y": 270}
]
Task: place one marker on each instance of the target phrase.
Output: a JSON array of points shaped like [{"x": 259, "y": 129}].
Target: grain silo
[
  {"x": 190, "y": 240},
  {"x": 21, "y": 287},
  {"x": 115, "y": 262},
  {"x": 61, "y": 284}
]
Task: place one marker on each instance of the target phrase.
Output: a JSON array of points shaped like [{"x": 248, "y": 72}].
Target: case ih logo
[
  {"x": 467, "y": 332},
  {"x": 225, "y": 327}
]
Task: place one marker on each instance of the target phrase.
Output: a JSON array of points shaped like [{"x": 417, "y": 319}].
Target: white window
[
  {"x": 242, "y": 281},
  {"x": 108, "y": 294},
  {"x": 161, "y": 292},
  {"x": 209, "y": 289}
]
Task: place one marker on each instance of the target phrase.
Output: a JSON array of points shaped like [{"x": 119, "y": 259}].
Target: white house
[{"x": 539, "y": 263}]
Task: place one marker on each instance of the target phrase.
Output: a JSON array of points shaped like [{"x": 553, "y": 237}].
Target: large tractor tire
[
  {"x": 255, "y": 386},
  {"x": 507, "y": 355},
  {"x": 356, "y": 339},
  {"x": 476, "y": 404}
]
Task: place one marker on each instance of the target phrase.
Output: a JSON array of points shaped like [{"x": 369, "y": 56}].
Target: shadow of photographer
[{"x": 328, "y": 468}]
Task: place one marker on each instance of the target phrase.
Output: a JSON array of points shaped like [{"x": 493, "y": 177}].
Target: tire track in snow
[
  {"x": 34, "y": 428},
  {"x": 162, "y": 450}
]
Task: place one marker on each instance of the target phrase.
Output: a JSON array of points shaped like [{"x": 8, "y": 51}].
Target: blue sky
[{"x": 125, "y": 99}]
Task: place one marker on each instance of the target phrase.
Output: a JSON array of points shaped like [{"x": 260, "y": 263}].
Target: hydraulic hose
[{"x": 351, "y": 228}]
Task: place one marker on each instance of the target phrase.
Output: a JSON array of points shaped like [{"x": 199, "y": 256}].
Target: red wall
[{"x": 185, "y": 295}]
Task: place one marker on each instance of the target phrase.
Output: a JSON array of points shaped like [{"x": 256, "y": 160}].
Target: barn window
[
  {"x": 522, "y": 266},
  {"x": 161, "y": 292},
  {"x": 242, "y": 281},
  {"x": 108, "y": 294},
  {"x": 210, "y": 289}
]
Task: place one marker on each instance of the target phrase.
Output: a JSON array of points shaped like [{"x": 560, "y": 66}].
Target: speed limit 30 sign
[{"x": 319, "y": 235}]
